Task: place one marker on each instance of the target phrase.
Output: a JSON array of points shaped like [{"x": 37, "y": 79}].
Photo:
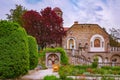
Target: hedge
[
  {"x": 33, "y": 52},
  {"x": 64, "y": 57},
  {"x": 14, "y": 53}
]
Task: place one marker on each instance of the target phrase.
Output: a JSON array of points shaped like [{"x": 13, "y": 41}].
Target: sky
[{"x": 102, "y": 12}]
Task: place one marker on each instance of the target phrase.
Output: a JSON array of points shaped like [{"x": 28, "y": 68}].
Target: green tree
[
  {"x": 14, "y": 52},
  {"x": 16, "y": 14},
  {"x": 33, "y": 52},
  {"x": 114, "y": 37}
]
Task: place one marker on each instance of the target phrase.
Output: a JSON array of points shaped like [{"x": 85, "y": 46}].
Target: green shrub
[
  {"x": 14, "y": 53},
  {"x": 98, "y": 71},
  {"x": 65, "y": 71},
  {"x": 106, "y": 67},
  {"x": 95, "y": 62},
  {"x": 68, "y": 78},
  {"x": 82, "y": 66},
  {"x": 64, "y": 57},
  {"x": 115, "y": 68},
  {"x": 33, "y": 52},
  {"x": 107, "y": 78},
  {"x": 52, "y": 77}
]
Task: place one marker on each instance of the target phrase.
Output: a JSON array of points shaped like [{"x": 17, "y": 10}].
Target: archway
[
  {"x": 52, "y": 58},
  {"x": 100, "y": 60},
  {"x": 115, "y": 59}
]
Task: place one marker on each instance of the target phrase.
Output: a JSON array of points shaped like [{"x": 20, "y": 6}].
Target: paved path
[{"x": 39, "y": 74}]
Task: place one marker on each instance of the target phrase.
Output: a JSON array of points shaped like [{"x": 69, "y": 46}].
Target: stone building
[
  {"x": 88, "y": 41},
  {"x": 83, "y": 42}
]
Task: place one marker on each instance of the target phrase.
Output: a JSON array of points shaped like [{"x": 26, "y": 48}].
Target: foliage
[
  {"x": 16, "y": 14},
  {"x": 79, "y": 70},
  {"x": 51, "y": 77},
  {"x": 98, "y": 71},
  {"x": 107, "y": 78},
  {"x": 64, "y": 57},
  {"x": 114, "y": 36},
  {"x": 45, "y": 26},
  {"x": 82, "y": 66},
  {"x": 14, "y": 53},
  {"x": 33, "y": 52},
  {"x": 65, "y": 71},
  {"x": 69, "y": 70},
  {"x": 113, "y": 42},
  {"x": 95, "y": 62},
  {"x": 31, "y": 20}
]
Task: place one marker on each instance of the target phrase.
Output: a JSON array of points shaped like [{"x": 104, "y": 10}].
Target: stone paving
[{"x": 39, "y": 75}]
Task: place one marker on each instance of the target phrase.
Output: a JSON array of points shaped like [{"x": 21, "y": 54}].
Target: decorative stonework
[{"x": 51, "y": 59}]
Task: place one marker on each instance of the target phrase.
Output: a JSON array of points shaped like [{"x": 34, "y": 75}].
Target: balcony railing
[
  {"x": 114, "y": 49},
  {"x": 78, "y": 58}
]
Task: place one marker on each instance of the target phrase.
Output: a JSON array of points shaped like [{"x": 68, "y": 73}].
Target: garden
[
  {"x": 67, "y": 70},
  {"x": 18, "y": 55}
]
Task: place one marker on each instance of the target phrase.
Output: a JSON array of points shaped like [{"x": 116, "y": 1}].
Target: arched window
[
  {"x": 96, "y": 43},
  {"x": 71, "y": 44}
]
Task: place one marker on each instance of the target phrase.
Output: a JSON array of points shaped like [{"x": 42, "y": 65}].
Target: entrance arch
[{"x": 52, "y": 58}]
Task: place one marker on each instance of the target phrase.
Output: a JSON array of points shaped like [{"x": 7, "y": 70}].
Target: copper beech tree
[{"x": 45, "y": 26}]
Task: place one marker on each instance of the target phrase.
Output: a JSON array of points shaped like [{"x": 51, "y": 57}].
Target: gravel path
[{"x": 40, "y": 74}]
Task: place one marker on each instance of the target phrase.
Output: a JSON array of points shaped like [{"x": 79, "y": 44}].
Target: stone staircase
[{"x": 76, "y": 57}]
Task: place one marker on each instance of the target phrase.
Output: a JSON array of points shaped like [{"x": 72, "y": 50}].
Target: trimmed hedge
[
  {"x": 33, "y": 52},
  {"x": 51, "y": 77},
  {"x": 64, "y": 57},
  {"x": 14, "y": 53}
]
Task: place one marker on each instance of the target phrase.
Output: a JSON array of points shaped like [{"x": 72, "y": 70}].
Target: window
[{"x": 71, "y": 44}]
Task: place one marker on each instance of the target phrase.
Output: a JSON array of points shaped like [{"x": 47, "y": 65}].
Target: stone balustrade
[{"x": 114, "y": 49}]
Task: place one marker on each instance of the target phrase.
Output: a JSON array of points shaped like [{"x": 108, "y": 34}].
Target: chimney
[{"x": 76, "y": 22}]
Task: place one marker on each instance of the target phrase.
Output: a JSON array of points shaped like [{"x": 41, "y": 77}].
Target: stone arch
[
  {"x": 115, "y": 58},
  {"x": 52, "y": 58},
  {"x": 71, "y": 43},
  {"x": 100, "y": 58},
  {"x": 97, "y": 43}
]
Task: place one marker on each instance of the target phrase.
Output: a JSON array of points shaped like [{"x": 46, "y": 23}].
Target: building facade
[
  {"x": 90, "y": 40},
  {"x": 83, "y": 42}
]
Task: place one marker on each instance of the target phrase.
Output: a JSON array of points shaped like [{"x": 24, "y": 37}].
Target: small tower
[{"x": 58, "y": 11}]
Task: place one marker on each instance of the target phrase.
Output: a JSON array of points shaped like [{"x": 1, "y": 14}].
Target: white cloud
[{"x": 103, "y": 12}]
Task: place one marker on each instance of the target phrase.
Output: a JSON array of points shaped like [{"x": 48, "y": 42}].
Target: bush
[
  {"x": 65, "y": 71},
  {"x": 82, "y": 66},
  {"x": 107, "y": 78},
  {"x": 95, "y": 62},
  {"x": 14, "y": 53},
  {"x": 98, "y": 71},
  {"x": 52, "y": 77},
  {"x": 33, "y": 52}
]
